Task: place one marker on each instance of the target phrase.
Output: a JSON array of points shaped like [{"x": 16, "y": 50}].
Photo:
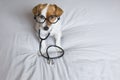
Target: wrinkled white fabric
[{"x": 91, "y": 40}]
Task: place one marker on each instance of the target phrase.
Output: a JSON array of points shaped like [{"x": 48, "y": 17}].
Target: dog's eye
[
  {"x": 42, "y": 17},
  {"x": 52, "y": 17}
]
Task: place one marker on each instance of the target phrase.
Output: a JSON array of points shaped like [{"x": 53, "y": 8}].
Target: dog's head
[{"x": 47, "y": 14}]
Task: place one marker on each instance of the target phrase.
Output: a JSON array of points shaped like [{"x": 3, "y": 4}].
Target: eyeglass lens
[{"x": 51, "y": 19}]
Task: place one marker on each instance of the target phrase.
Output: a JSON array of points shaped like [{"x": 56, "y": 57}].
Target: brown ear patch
[
  {"x": 58, "y": 10},
  {"x": 53, "y": 9},
  {"x": 37, "y": 9}
]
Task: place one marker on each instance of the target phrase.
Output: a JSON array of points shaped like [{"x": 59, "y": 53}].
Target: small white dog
[{"x": 47, "y": 20}]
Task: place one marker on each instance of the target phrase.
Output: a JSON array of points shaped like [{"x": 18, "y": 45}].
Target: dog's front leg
[
  {"x": 43, "y": 47},
  {"x": 58, "y": 39},
  {"x": 43, "y": 44}
]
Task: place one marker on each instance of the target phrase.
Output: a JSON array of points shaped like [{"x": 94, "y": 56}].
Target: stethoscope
[{"x": 48, "y": 57}]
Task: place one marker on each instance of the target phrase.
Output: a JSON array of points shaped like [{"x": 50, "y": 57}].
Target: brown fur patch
[
  {"x": 53, "y": 9},
  {"x": 37, "y": 9}
]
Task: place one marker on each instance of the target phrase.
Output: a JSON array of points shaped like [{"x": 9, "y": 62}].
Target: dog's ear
[
  {"x": 37, "y": 9},
  {"x": 58, "y": 11}
]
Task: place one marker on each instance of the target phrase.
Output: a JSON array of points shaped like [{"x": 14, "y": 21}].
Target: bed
[{"x": 91, "y": 40}]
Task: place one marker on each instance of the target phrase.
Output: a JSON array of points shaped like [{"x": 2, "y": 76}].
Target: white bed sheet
[{"x": 91, "y": 40}]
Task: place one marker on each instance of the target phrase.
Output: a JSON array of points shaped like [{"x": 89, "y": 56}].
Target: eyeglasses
[{"x": 51, "y": 19}]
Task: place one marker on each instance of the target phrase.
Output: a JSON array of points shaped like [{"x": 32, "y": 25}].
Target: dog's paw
[{"x": 59, "y": 49}]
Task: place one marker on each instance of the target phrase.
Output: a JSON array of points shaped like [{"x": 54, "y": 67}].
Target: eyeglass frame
[{"x": 35, "y": 17}]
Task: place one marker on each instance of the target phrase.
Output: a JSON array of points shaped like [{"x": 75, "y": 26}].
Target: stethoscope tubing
[{"x": 40, "y": 45}]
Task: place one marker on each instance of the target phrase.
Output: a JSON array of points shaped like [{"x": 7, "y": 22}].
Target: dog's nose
[{"x": 46, "y": 28}]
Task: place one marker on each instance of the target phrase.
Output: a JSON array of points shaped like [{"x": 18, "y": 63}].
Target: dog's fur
[{"x": 54, "y": 29}]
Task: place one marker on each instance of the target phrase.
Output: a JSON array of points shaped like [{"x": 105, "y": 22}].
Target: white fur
[
  {"x": 54, "y": 30},
  {"x": 43, "y": 12}
]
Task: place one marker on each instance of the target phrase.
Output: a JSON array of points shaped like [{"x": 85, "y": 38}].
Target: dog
[{"x": 47, "y": 18}]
